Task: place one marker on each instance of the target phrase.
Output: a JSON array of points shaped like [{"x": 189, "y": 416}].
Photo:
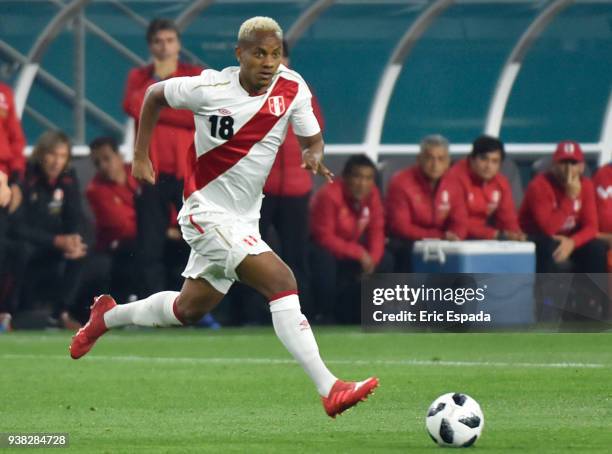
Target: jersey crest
[{"x": 276, "y": 105}]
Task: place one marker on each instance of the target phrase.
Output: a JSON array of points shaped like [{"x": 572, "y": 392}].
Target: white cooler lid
[{"x": 475, "y": 247}]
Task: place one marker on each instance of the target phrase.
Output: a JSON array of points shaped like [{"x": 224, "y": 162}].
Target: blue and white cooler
[{"x": 507, "y": 268}]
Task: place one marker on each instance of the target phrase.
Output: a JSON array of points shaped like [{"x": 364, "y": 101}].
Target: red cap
[{"x": 568, "y": 150}]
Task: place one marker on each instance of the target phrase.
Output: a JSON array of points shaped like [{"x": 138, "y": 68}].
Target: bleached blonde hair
[{"x": 258, "y": 24}]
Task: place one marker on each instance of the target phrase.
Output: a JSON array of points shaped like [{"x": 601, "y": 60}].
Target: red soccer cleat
[
  {"x": 86, "y": 337},
  {"x": 344, "y": 395}
]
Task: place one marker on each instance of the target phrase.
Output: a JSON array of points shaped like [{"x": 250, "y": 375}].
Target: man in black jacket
[{"x": 47, "y": 226}]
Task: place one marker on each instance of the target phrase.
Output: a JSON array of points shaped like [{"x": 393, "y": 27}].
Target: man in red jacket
[
  {"x": 559, "y": 214},
  {"x": 487, "y": 193},
  {"x": 12, "y": 166},
  {"x": 12, "y": 162},
  {"x": 347, "y": 226},
  {"x": 603, "y": 196},
  {"x": 424, "y": 201},
  {"x": 111, "y": 198},
  {"x": 170, "y": 142}
]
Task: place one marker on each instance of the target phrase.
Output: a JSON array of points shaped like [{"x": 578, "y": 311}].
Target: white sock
[
  {"x": 292, "y": 328},
  {"x": 156, "y": 310}
]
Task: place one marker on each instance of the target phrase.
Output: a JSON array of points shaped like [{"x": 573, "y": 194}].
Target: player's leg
[
  {"x": 196, "y": 298},
  {"x": 269, "y": 275}
]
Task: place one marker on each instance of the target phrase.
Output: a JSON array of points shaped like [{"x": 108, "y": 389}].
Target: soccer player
[{"x": 241, "y": 116}]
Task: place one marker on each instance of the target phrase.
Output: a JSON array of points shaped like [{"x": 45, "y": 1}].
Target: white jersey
[{"x": 237, "y": 136}]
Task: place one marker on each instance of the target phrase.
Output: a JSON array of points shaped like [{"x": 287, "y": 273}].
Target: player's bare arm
[
  {"x": 312, "y": 156},
  {"x": 154, "y": 101}
]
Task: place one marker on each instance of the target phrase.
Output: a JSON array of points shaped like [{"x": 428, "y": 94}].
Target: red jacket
[
  {"x": 287, "y": 178},
  {"x": 346, "y": 227},
  {"x": 603, "y": 197},
  {"x": 113, "y": 207},
  {"x": 416, "y": 211},
  {"x": 12, "y": 141},
  {"x": 173, "y": 134},
  {"x": 486, "y": 202},
  {"x": 547, "y": 210}
]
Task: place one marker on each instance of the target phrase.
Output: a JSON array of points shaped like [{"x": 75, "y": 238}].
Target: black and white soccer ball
[{"x": 454, "y": 420}]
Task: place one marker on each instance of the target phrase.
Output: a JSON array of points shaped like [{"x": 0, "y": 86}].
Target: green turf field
[{"x": 239, "y": 391}]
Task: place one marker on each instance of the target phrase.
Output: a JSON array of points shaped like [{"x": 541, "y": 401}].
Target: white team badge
[{"x": 276, "y": 105}]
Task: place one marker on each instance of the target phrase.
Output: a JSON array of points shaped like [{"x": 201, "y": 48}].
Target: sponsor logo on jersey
[
  {"x": 604, "y": 193},
  {"x": 224, "y": 111},
  {"x": 276, "y": 105}
]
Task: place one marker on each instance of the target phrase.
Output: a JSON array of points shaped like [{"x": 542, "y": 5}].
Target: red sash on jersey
[{"x": 203, "y": 170}]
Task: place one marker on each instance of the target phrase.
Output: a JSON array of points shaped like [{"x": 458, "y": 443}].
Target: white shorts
[{"x": 219, "y": 243}]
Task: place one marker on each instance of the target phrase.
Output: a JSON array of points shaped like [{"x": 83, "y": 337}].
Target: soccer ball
[{"x": 454, "y": 420}]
